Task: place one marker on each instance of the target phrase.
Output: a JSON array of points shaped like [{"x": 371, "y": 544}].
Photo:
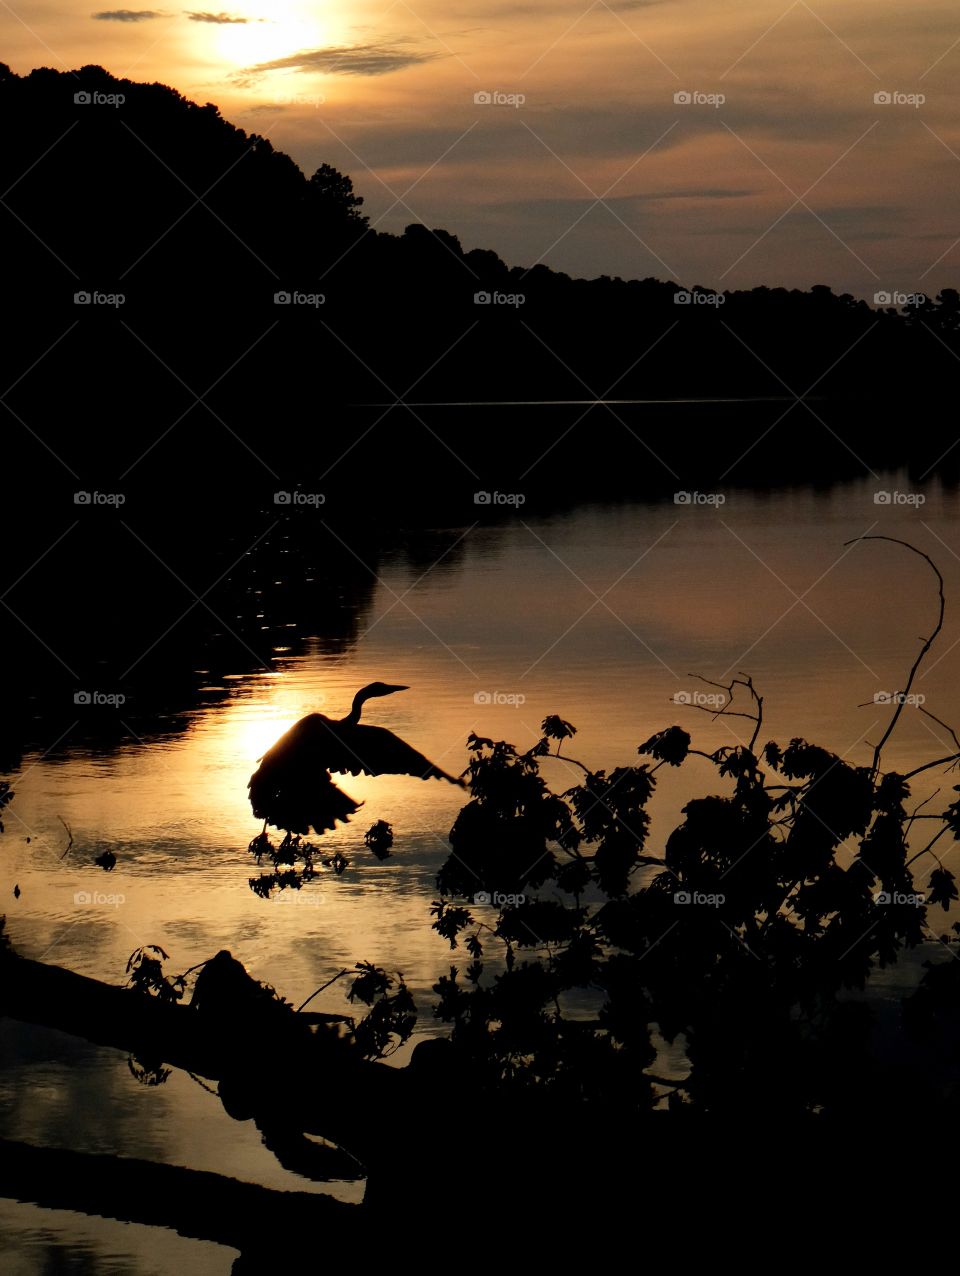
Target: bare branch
[
  {"x": 916, "y": 813},
  {"x": 927, "y": 642},
  {"x": 928, "y": 849},
  {"x": 337, "y": 976},
  {"x": 69, "y": 835},
  {"x": 726, "y": 712},
  {"x": 946, "y": 725},
  {"x": 953, "y": 757}
]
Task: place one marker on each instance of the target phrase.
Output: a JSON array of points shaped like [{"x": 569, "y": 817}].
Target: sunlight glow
[
  {"x": 289, "y": 28},
  {"x": 253, "y": 732}
]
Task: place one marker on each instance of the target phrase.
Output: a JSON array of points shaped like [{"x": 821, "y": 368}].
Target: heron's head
[{"x": 374, "y": 689}]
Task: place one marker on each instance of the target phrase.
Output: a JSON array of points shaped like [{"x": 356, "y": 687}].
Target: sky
[{"x": 726, "y": 143}]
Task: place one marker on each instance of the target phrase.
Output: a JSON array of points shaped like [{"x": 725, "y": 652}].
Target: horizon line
[{"x": 577, "y": 403}]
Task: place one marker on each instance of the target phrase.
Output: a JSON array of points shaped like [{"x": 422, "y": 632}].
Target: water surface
[{"x": 599, "y": 615}]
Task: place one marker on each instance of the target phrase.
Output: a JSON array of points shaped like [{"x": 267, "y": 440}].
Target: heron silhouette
[{"x": 292, "y": 789}]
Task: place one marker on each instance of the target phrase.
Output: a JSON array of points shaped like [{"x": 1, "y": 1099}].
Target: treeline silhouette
[{"x": 199, "y": 225}]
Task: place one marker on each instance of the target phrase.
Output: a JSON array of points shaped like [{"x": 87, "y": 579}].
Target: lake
[{"x": 600, "y": 615}]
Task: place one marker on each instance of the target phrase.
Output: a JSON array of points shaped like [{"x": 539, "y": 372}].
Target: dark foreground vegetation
[{"x": 580, "y": 941}]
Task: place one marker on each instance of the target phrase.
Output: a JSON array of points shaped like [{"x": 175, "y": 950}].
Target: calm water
[{"x": 600, "y": 616}]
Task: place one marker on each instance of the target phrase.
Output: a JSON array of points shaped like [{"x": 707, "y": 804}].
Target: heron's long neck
[{"x": 353, "y": 717}]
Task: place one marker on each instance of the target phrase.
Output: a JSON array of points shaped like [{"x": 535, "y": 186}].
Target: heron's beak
[{"x": 390, "y": 690}]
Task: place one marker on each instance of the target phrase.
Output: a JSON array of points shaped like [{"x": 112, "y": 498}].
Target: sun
[
  {"x": 269, "y": 32},
  {"x": 254, "y": 729}
]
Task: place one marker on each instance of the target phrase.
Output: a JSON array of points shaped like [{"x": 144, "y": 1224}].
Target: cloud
[
  {"x": 222, "y": 19},
  {"x": 697, "y": 194},
  {"x": 147, "y": 15},
  {"x": 268, "y": 109},
  {"x": 356, "y": 59},
  {"x": 526, "y": 8},
  {"x": 129, "y": 15},
  {"x": 547, "y": 207}
]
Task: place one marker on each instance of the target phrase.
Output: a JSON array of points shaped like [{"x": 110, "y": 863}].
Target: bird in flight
[{"x": 292, "y": 789}]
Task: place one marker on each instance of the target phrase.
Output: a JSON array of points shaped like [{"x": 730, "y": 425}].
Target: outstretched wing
[
  {"x": 361, "y": 750},
  {"x": 291, "y": 789}
]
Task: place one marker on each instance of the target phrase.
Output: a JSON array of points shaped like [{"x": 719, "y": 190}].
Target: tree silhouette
[{"x": 335, "y": 191}]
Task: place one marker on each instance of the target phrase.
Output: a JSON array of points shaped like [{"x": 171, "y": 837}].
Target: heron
[{"x": 292, "y": 789}]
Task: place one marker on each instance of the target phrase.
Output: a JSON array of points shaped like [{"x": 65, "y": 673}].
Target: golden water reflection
[{"x": 598, "y": 616}]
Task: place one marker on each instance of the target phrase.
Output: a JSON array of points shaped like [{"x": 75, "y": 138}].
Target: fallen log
[
  {"x": 196, "y": 1204},
  {"x": 259, "y": 1061},
  {"x": 53, "y": 997}
]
